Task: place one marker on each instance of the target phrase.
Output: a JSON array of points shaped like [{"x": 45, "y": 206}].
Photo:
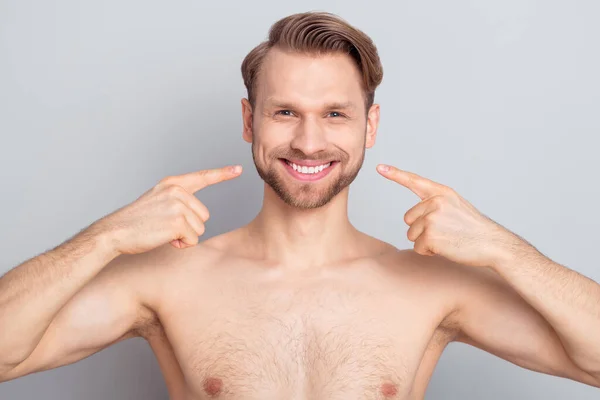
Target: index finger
[
  {"x": 194, "y": 181},
  {"x": 419, "y": 185}
]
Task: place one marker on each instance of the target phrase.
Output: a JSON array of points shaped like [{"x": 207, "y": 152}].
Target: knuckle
[
  {"x": 441, "y": 206},
  {"x": 159, "y": 187},
  {"x": 438, "y": 200},
  {"x": 451, "y": 192},
  {"x": 180, "y": 220},
  {"x": 175, "y": 190},
  {"x": 426, "y": 236},
  {"x": 177, "y": 206},
  {"x": 167, "y": 180},
  {"x": 429, "y": 218}
]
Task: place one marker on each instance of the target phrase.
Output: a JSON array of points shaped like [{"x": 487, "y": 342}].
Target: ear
[
  {"x": 372, "y": 124},
  {"x": 247, "y": 120}
]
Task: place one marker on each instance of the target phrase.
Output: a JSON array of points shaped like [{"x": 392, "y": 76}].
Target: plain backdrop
[{"x": 496, "y": 99}]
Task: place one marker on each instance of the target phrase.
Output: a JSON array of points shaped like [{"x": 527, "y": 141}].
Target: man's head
[{"x": 311, "y": 89}]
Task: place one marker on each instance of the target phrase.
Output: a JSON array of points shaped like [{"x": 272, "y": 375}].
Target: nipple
[
  {"x": 389, "y": 389},
  {"x": 212, "y": 386}
]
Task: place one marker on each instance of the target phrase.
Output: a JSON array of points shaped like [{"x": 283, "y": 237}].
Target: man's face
[{"x": 309, "y": 128}]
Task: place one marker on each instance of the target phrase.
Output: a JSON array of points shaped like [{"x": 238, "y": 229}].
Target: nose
[{"x": 309, "y": 137}]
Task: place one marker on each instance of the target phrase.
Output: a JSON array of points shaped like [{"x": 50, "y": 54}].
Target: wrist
[
  {"x": 106, "y": 240},
  {"x": 512, "y": 249}
]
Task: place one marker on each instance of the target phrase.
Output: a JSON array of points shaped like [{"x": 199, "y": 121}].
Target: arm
[
  {"x": 48, "y": 320},
  {"x": 545, "y": 305},
  {"x": 491, "y": 315},
  {"x": 567, "y": 300},
  {"x": 65, "y": 305},
  {"x": 32, "y": 293}
]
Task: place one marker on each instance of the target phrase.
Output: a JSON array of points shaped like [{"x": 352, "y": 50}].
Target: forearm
[
  {"x": 569, "y": 301},
  {"x": 32, "y": 293}
]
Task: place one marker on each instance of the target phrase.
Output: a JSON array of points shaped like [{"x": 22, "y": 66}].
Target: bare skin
[
  {"x": 226, "y": 325},
  {"x": 345, "y": 330},
  {"x": 297, "y": 304}
]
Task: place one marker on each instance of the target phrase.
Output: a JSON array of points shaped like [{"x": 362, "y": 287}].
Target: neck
[{"x": 302, "y": 237}]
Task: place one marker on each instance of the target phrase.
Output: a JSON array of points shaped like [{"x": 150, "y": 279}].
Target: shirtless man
[{"x": 298, "y": 304}]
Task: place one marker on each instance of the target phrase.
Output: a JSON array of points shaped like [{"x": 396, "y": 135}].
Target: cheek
[
  {"x": 353, "y": 145},
  {"x": 265, "y": 148},
  {"x": 273, "y": 137}
]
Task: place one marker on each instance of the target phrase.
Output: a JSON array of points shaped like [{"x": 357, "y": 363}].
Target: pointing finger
[
  {"x": 194, "y": 181},
  {"x": 419, "y": 185}
]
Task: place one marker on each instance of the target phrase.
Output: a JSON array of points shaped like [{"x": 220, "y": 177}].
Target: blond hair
[{"x": 317, "y": 33}]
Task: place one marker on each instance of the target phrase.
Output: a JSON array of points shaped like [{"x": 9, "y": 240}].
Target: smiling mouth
[{"x": 308, "y": 171}]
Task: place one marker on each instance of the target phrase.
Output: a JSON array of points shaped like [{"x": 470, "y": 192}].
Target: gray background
[{"x": 497, "y": 99}]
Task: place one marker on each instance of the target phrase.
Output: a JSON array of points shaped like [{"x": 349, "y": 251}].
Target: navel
[
  {"x": 389, "y": 389},
  {"x": 213, "y": 386}
]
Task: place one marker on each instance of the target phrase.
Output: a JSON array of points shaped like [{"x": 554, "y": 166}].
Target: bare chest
[{"x": 332, "y": 340}]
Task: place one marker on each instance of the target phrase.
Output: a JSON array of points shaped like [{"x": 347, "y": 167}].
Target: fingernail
[
  {"x": 236, "y": 168},
  {"x": 383, "y": 168}
]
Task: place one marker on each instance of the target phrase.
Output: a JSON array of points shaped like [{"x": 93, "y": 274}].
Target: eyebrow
[{"x": 347, "y": 105}]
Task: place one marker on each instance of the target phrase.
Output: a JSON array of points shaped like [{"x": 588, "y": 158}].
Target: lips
[
  {"x": 305, "y": 165},
  {"x": 308, "y": 163}
]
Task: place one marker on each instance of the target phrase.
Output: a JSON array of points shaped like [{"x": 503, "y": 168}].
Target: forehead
[{"x": 309, "y": 79}]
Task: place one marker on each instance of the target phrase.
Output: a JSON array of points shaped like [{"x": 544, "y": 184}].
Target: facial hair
[{"x": 306, "y": 195}]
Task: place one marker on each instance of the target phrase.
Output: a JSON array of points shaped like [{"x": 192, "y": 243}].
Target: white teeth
[{"x": 308, "y": 170}]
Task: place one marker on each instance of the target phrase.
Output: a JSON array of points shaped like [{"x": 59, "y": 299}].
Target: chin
[
  {"x": 305, "y": 196},
  {"x": 306, "y": 203}
]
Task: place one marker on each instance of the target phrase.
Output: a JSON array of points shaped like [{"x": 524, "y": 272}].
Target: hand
[
  {"x": 445, "y": 224},
  {"x": 169, "y": 212}
]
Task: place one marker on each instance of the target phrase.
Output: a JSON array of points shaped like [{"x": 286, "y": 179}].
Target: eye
[
  {"x": 335, "y": 112},
  {"x": 280, "y": 112}
]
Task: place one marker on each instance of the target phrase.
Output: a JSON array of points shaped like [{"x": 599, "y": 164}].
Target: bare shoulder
[
  {"x": 458, "y": 284},
  {"x": 152, "y": 274},
  {"x": 157, "y": 270},
  {"x": 444, "y": 282}
]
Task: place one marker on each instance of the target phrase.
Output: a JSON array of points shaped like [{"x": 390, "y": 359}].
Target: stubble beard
[{"x": 306, "y": 195}]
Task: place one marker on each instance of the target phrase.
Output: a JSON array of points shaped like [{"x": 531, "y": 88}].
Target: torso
[{"x": 230, "y": 328}]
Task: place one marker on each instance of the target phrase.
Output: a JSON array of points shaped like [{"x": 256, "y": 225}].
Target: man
[{"x": 298, "y": 304}]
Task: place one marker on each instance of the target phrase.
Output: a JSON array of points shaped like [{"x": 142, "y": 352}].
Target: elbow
[
  {"x": 596, "y": 376},
  {"x": 10, "y": 359},
  {"x": 5, "y": 372},
  {"x": 590, "y": 376},
  {"x": 591, "y": 369}
]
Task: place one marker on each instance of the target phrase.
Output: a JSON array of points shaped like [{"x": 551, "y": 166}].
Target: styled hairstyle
[{"x": 317, "y": 33}]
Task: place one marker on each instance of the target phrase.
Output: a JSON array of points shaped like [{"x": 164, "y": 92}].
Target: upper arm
[
  {"x": 492, "y": 316},
  {"x": 106, "y": 310}
]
